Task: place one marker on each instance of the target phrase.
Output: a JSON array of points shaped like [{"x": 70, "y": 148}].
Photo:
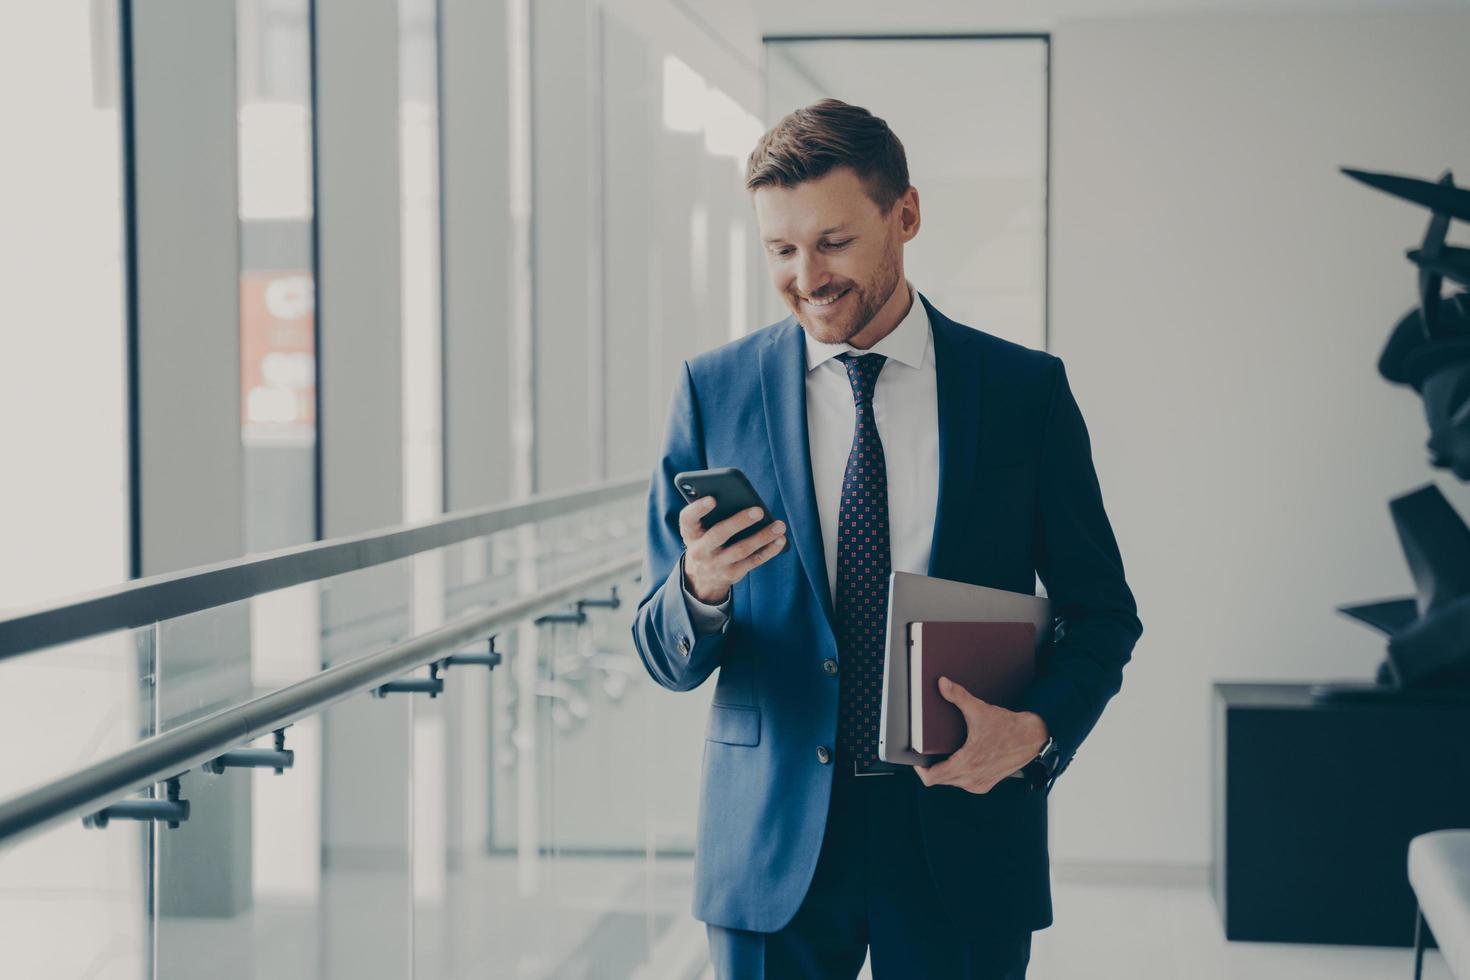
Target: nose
[{"x": 811, "y": 274}]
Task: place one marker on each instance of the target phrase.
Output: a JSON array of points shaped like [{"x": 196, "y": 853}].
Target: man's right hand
[{"x": 710, "y": 565}]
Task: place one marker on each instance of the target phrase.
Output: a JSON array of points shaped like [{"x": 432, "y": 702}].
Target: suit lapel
[
  {"x": 957, "y": 377},
  {"x": 783, "y": 392}
]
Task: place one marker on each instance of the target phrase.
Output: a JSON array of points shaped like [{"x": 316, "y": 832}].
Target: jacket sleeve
[
  {"x": 677, "y": 655},
  {"x": 1094, "y": 613}
]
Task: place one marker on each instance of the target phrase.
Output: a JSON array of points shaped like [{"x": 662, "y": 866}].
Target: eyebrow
[{"x": 824, "y": 232}]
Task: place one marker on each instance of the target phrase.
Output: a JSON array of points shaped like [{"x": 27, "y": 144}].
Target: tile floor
[
  {"x": 622, "y": 919},
  {"x": 1172, "y": 932}
]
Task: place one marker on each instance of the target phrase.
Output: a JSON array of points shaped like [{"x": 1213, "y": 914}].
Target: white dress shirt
[{"x": 906, "y": 410}]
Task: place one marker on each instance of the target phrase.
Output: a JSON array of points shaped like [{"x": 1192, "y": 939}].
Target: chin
[{"x": 827, "y": 333}]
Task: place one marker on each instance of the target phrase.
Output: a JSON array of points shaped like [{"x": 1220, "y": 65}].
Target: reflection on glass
[
  {"x": 277, "y": 288},
  {"x": 72, "y": 901},
  {"x": 517, "y": 824},
  {"x": 418, "y": 118},
  {"x": 64, "y": 500}
]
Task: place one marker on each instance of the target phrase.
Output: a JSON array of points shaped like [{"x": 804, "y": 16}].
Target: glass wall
[
  {"x": 64, "y": 496},
  {"x": 277, "y": 272},
  {"x": 418, "y": 93},
  {"x": 536, "y": 820},
  {"x": 644, "y": 251},
  {"x": 63, "y": 406}
]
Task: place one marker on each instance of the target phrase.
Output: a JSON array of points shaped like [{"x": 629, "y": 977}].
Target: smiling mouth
[{"x": 821, "y": 304}]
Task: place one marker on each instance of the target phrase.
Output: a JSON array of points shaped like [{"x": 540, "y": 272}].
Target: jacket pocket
[{"x": 734, "y": 725}]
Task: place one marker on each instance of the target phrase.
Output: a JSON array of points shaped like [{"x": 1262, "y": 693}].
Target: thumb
[{"x": 956, "y": 694}]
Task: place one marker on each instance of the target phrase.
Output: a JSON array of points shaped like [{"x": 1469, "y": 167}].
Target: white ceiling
[{"x": 917, "y": 16}]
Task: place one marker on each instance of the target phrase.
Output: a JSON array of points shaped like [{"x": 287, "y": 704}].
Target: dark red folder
[{"x": 993, "y": 661}]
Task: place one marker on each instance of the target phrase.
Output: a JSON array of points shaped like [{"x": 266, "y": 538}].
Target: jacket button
[
  {"x": 829, "y": 667},
  {"x": 823, "y": 756},
  {"x": 684, "y": 645}
]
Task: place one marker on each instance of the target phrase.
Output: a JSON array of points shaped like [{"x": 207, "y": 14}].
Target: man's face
[{"x": 834, "y": 257}]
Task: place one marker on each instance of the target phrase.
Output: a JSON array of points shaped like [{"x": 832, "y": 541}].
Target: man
[{"x": 883, "y": 436}]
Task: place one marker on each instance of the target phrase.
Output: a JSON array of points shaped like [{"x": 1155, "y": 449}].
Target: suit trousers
[{"x": 871, "y": 891}]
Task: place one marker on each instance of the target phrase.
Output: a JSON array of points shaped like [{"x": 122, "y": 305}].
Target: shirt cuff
[{"x": 707, "y": 619}]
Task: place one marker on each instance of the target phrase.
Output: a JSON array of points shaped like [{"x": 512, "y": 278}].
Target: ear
[{"x": 908, "y": 214}]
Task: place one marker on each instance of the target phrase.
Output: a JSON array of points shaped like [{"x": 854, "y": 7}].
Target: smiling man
[{"x": 883, "y": 436}]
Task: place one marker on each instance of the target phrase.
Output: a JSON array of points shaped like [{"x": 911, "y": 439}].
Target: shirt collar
[{"x": 907, "y": 343}]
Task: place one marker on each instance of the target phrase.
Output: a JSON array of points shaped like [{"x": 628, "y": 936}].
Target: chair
[{"x": 1439, "y": 873}]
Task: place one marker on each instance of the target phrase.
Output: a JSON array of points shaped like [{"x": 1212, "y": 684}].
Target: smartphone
[{"x": 732, "y": 492}]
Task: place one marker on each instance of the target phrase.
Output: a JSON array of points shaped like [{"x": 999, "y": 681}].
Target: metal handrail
[
  {"x": 172, "y": 753},
  {"x": 174, "y": 594}
]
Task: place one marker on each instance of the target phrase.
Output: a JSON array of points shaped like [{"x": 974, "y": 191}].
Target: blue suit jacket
[{"x": 1018, "y": 497}]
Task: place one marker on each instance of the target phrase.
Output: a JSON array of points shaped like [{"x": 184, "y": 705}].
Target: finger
[
  {"x": 689, "y": 527},
  {"x": 732, "y": 526},
  {"x": 933, "y": 776},
  {"x": 946, "y": 770},
  {"x": 924, "y": 776},
  {"x": 766, "y": 553},
  {"x": 969, "y": 705},
  {"x": 743, "y": 549},
  {"x": 954, "y": 692}
]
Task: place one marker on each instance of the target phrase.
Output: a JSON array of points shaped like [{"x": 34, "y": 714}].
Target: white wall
[{"x": 1220, "y": 297}]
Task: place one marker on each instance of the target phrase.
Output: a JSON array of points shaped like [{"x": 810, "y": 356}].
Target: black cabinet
[{"x": 1314, "y": 806}]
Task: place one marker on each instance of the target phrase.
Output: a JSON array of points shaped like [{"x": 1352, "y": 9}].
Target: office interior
[{"x": 338, "y": 323}]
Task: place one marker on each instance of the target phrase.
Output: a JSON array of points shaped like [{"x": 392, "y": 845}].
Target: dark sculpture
[{"x": 1429, "y": 351}]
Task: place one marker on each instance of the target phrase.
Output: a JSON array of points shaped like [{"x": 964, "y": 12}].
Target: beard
[{"x": 866, "y": 299}]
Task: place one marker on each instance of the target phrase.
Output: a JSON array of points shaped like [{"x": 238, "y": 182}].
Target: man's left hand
[{"x": 999, "y": 742}]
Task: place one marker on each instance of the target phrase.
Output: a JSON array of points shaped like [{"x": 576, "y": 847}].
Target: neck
[{"x": 887, "y": 319}]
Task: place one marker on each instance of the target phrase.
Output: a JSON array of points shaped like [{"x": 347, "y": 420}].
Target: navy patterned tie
[{"x": 863, "y": 563}]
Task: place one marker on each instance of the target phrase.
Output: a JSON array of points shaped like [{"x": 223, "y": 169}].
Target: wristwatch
[{"x": 1040, "y": 770}]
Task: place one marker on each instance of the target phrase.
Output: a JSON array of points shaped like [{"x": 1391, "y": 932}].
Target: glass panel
[
  {"x": 98, "y": 698},
  {"x": 591, "y": 811},
  {"x": 224, "y": 656},
  {"x": 300, "y": 875},
  {"x": 73, "y": 901},
  {"x": 981, "y": 173},
  {"x": 308, "y": 871},
  {"x": 423, "y": 492},
  {"x": 480, "y": 572},
  {"x": 277, "y": 286},
  {"x": 396, "y": 840},
  {"x": 418, "y": 151},
  {"x": 63, "y": 417},
  {"x": 105, "y": 687}
]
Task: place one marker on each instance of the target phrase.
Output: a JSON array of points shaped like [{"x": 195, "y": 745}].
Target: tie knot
[{"x": 862, "y": 372}]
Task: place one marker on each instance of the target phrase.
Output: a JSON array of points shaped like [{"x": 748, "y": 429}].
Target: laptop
[{"x": 919, "y": 598}]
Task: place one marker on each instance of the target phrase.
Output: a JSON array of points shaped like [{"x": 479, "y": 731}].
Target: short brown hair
[{"x": 810, "y": 142}]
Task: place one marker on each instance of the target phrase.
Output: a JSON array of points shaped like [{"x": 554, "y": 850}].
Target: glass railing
[{"x": 531, "y": 820}]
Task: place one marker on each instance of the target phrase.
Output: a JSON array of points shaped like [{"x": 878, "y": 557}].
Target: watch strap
[{"x": 1040, "y": 772}]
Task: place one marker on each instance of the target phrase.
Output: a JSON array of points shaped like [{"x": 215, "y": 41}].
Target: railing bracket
[
  {"x": 562, "y": 617},
  {"x": 579, "y": 614},
  {"x": 433, "y": 685},
  {"x": 279, "y": 758},
  {"x": 491, "y": 658},
  {"x": 170, "y": 810},
  {"x": 611, "y": 602}
]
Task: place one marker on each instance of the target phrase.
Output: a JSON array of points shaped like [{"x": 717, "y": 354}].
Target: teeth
[{"x": 827, "y": 302}]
